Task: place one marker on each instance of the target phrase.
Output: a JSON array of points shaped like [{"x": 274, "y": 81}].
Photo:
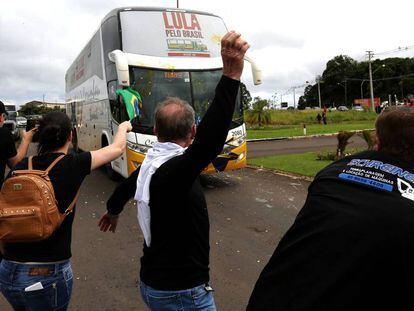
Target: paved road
[
  {"x": 300, "y": 145},
  {"x": 249, "y": 211}
]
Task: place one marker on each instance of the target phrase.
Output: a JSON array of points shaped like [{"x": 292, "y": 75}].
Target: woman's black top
[{"x": 66, "y": 177}]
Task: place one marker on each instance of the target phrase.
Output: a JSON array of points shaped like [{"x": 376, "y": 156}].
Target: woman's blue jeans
[
  {"x": 56, "y": 279},
  {"x": 197, "y": 298}
]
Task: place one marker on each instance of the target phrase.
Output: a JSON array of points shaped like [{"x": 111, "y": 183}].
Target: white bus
[
  {"x": 157, "y": 52},
  {"x": 10, "y": 121}
]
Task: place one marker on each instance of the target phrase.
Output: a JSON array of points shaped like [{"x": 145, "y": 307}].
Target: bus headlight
[
  {"x": 137, "y": 147},
  {"x": 233, "y": 143}
]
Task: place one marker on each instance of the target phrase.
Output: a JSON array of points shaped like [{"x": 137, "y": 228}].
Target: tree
[
  {"x": 246, "y": 98},
  {"x": 33, "y": 109},
  {"x": 260, "y": 113}
]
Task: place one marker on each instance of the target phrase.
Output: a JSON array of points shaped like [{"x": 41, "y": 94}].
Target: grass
[
  {"x": 304, "y": 164},
  {"x": 312, "y": 129},
  {"x": 298, "y": 117}
]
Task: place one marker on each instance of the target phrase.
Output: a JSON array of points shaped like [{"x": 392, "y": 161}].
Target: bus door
[{"x": 118, "y": 114}]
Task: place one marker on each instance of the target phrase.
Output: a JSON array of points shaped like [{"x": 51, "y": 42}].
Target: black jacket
[
  {"x": 178, "y": 257},
  {"x": 352, "y": 244}
]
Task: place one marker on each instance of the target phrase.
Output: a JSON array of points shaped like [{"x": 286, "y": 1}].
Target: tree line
[{"x": 345, "y": 79}]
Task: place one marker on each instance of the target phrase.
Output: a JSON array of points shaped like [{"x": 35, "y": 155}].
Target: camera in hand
[{"x": 33, "y": 123}]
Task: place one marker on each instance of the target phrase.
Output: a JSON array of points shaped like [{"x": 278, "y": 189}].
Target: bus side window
[
  {"x": 118, "y": 109},
  {"x": 113, "y": 100}
]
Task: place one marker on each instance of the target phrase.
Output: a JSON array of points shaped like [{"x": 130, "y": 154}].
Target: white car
[
  {"x": 358, "y": 108},
  {"x": 342, "y": 108},
  {"x": 21, "y": 121}
]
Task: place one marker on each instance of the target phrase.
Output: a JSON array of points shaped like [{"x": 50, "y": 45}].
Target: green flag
[{"x": 132, "y": 100}]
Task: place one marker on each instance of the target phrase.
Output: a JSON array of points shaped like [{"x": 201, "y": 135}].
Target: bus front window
[
  {"x": 204, "y": 86},
  {"x": 155, "y": 86},
  {"x": 196, "y": 87}
]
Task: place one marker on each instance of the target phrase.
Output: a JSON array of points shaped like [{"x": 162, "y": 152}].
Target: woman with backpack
[{"x": 38, "y": 275}]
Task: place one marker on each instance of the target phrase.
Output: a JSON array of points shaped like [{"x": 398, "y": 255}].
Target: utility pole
[
  {"x": 346, "y": 99},
  {"x": 370, "y": 55},
  {"x": 294, "y": 98},
  {"x": 178, "y": 4},
  {"x": 319, "y": 94},
  {"x": 319, "y": 80}
]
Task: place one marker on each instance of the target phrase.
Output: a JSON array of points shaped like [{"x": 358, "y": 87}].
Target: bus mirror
[
  {"x": 121, "y": 63},
  {"x": 256, "y": 71}
]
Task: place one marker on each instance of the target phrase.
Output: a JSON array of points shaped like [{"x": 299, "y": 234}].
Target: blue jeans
[
  {"x": 197, "y": 298},
  {"x": 56, "y": 279}
]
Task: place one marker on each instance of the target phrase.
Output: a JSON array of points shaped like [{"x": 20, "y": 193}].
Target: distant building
[{"x": 47, "y": 105}]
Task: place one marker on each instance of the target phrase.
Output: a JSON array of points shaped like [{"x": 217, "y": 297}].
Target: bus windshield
[{"x": 195, "y": 87}]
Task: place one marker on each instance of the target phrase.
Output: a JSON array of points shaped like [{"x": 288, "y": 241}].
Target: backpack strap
[
  {"x": 71, "y": 206},
  {"x": 30, "y": 167},
  {"x": 52, "y": 164}
]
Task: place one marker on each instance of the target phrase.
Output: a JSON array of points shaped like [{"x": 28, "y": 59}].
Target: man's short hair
[
  {"x": 173, "y": 123},
  {"x": 395, "y": 131}
]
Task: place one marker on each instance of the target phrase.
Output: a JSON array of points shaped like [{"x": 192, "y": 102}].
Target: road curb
[{"x": 302, "y": 137}]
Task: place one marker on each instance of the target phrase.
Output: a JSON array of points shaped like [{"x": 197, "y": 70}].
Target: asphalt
[
  {"x": 249, "y": 211},
  {"x": 262, "y": 148}
]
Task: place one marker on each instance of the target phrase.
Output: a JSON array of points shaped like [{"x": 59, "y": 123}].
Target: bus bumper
[{"x": 234, "y": 160}]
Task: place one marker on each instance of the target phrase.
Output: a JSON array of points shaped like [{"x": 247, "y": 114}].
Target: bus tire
[{"x": 107, "y": 168}]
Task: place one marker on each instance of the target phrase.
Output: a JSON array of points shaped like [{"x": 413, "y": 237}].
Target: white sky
[{"x": 291, "y": 40}]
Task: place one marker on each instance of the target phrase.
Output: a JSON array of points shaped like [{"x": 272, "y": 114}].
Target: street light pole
[
  {"x": 362, "y": 93},
  {"x": 370, "y": 55},
  {"x": 178, "y": 4},
  {"x": 344, "y": 86}
]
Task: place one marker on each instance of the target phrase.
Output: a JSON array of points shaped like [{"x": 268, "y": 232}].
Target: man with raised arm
[{"x": 172, "y": 210}]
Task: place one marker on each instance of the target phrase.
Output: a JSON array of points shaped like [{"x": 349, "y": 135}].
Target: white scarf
[{"x": 158, "y": 155}]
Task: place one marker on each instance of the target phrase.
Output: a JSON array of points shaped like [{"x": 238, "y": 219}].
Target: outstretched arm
[
  {"x": 114, "y": 150},
  {"x": 123, "y": 192}
]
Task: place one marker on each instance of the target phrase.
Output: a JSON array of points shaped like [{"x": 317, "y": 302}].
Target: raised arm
[
  {"x": 114, "y": 150},
  {"x": 23, "y": 147},
  {"x": 213, "y": 129}
]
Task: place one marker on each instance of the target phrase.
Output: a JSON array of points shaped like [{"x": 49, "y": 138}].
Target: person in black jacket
[
  {"x": 351, "y": 246},
  {"x": 172, "y": 210},
  {"x": 8, "y": 154}
]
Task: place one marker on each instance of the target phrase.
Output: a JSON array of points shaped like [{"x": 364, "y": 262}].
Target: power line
[
  {"x": 396, "y": 77},
  {"x": 399, "y": 49}
]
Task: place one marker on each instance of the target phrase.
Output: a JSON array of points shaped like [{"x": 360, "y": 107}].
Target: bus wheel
[
  {"x": 75, "y": 146},
  {"x": 107, "y": 168}
]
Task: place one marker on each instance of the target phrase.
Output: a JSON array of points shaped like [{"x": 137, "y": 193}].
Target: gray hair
[
  {"x": 395, "y": 131},
  {"x": 174, "y": 124}
]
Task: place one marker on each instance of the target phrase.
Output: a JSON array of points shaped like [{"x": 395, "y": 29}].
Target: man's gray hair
[
  {"x": 395, "y": 131},
  {"x": 173, "y": 124}
]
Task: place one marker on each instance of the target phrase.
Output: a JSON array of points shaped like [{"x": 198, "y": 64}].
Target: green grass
[
  {"x": 303, "y": 163},
  {"x": 312, "y": 129},
  {"x": 298, "y": 117}
]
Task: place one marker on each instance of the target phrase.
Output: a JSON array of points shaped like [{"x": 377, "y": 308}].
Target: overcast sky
[{"x": 291, "y": 40}]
